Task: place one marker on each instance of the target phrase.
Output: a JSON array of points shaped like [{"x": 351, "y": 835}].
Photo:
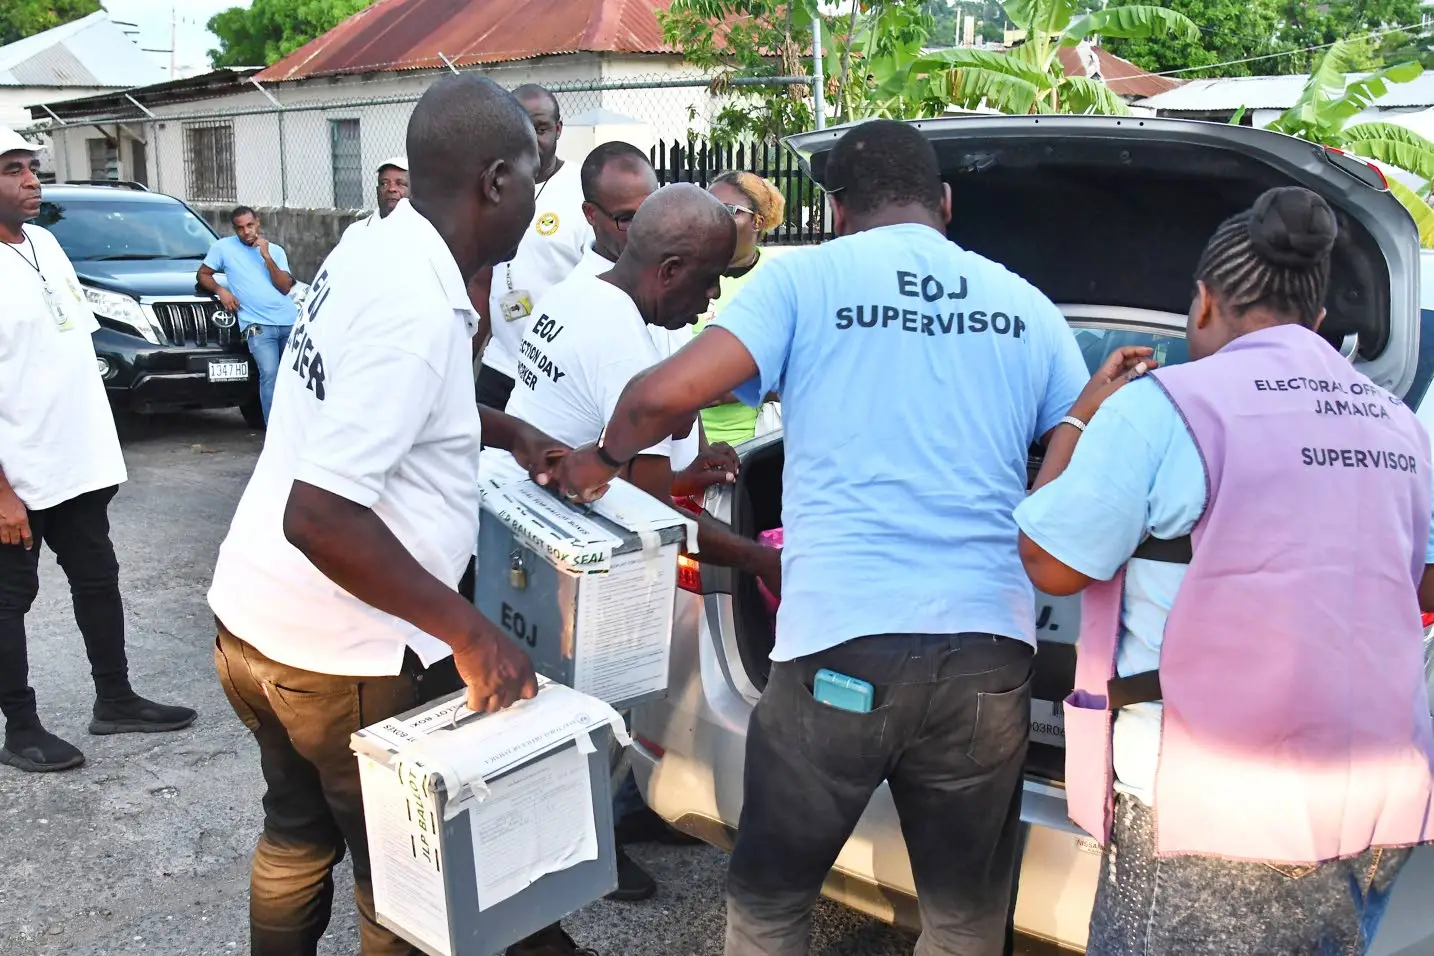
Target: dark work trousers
[
  {"x": 313, "y": 803},
  {"x": 948, "y": 732},
  {"x": 494, "y": 388},
  {"x": 78, "y": 532}
]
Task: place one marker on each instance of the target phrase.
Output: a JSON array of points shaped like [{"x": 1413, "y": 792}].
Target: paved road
[{"x": 145, "y": 849}]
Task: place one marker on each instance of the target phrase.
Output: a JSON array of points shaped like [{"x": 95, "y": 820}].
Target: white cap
[
  {"x": 11, "y": 141},
  {"x": 397, "y": 162}
]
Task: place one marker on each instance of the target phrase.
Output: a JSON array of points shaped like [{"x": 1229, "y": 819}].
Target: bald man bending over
[
  {"x": 336, "y": 588},
  {"x": 591, "y": 336}
]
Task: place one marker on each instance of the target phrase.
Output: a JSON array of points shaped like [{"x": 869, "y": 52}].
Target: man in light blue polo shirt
[
  {"x": 914, "y": 377},
  {"x": 258, "y": 284}
]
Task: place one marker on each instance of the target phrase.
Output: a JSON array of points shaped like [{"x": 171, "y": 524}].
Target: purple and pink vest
[{"x": 1297, "y": 723}]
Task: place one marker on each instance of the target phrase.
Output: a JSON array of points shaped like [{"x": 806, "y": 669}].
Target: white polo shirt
[
  {"x": 57, "y": 433},
  {"x": 551, "y": 249},
  {"x": 586, "y": 344},
  {"x": 373, "y": 402},
  {"x": 360, "y": 224},
  {"x": 666, "y": 341}
]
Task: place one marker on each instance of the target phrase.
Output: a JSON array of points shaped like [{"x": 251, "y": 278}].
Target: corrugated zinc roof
[
  {"x": 1123, "y": 77},
  {"x": 90, "y": 51},
  {"x": 1273, "y": 92},
  {"x": 396, "y": 35}
]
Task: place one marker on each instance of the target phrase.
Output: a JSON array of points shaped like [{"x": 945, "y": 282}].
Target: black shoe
[
  {"x": 633, "y": 882},
  {"x": 551, "y": 941},
  {"x": 645, "y": 826},
  {"x": 135, "y": 715},
  {"x": 38, "y": 751}
]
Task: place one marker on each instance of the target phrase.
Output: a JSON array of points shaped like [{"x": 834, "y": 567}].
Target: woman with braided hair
[{"x": 1249, "y": 736}]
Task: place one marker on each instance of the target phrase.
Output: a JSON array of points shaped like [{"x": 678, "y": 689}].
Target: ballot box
[
  {"x": 587, "y": 591},
  {"x": 483, "y": 829}
]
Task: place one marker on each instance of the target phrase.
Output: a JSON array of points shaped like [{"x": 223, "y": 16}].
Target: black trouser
[
  {"x": 313, "y": 803},
  {"x": 494, "y": 388},
  {"x": 78, "y": 531},
  {"x": 947, "y": 731}
]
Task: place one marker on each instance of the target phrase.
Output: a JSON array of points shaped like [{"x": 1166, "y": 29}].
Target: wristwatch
[{"x": 602, "y": 452}]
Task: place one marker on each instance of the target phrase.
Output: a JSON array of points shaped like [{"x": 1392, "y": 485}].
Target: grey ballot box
[
  {"x": 484, "y": 829},
  {"x": 587, "y": 592}
]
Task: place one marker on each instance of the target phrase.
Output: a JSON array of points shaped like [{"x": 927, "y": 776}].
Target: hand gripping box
[
  {"x": 587, "y": 591},
  {"x": 483, "y": 829}
]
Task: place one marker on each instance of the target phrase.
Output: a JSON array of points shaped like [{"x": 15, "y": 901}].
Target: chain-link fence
[{"x": 320, "y": 150}]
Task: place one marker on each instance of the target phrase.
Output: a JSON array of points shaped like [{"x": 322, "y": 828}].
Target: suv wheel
[{"x": 253, "y": 413}]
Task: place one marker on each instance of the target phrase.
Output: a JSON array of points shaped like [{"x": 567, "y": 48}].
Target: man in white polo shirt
[
  {"x": 392, "y": 187},
  {"x": 550, "y": 250},
  {"x": 335, "y": 589},
  {"x": 60, "y": 466}
]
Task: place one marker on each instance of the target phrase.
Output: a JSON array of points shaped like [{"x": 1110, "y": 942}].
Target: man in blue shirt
[
  {"x": 914, "y": 377},
  {"x": 257, "y": 273}
]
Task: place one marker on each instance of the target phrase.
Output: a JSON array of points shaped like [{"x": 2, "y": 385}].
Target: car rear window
[
  {"x": 1097, "y": 342},
  {"x": 118, "y": 229}
]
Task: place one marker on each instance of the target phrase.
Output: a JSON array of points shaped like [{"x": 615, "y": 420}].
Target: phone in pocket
[{"x": 842, "y": 692}]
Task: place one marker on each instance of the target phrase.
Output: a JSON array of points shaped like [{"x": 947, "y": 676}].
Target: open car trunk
[{"x": 1113, "y": 213}]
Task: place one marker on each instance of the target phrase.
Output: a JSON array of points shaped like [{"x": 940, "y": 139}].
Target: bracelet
[
  {"x": 1074, "y": 422},
  {"x": 602, "y": 453}
]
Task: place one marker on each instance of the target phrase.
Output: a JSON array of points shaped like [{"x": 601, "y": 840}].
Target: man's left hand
[
  {"x": 262, "y": 245},
  {"x": 539, "y": 453},
  {"x": 582, "y": 476},
  {"x": 716, "y": 465}
]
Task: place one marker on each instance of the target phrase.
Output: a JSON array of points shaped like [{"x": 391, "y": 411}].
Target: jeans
[
  {"x": 493, "y": 388},
  {"x": 1204, "y": 906},
  {"x": 947, "y": 730},
  {"x": 313, "y": 804},
  {"x": 266, "y": 344},
  {"x": 78, "y": 532}
]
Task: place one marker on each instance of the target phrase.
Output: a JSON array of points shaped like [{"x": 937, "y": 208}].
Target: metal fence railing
[{"x": 314, "y": 153}]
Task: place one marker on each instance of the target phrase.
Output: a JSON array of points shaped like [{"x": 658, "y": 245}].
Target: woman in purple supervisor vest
[{"x": 1250, "y": 730}]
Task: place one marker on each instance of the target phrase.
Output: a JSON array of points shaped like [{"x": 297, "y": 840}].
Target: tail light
[
  {"x": 689, "y": 573},
  {"x": 688, "y": 504},
  {"x": 1428, "y": 621},
  {"x": 1358, "y": 164},
  {"x": 656, "y": 750}
]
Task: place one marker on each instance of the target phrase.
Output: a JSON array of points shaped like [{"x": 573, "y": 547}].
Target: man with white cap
[
  {"x": 392, "y": 187},
  {"x": 60, "y": 466}
]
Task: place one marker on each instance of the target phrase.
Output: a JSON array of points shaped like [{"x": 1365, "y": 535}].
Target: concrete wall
[{"x": 307, "y": 235}]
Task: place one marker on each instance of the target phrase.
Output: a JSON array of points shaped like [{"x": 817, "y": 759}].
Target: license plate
[
  {"x": 228, "y": 371},
  {"x": 1048, "y": 723}
]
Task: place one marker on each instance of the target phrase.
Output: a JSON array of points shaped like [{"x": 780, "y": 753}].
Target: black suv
[{"x": 163, "y": 344}]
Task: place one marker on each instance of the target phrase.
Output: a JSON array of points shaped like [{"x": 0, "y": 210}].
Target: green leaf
[
  {"x": 1132, "y": 22},
  {"x": 1239, "y": 117},
  {"x": 966, "y": 58},
  {"x": 970, "y": 88},
  {"x": 1360, "y": 93},
  {"x": 1394, "y": 145},
  {"x": 1420, "y": 210},
  {"x": 1040, "y": 16},
  {"x": 1081, "y": 94}
]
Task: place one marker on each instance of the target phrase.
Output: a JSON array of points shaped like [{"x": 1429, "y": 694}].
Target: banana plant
[
  {"x": 1332, "y": 97},
  {"x": 1029, "y": 78}
]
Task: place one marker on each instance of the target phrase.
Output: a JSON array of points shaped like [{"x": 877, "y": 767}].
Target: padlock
[{"x": 517, "y": 576}]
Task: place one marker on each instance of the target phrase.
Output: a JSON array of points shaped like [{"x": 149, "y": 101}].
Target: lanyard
[
  {"x": 15, "y": 247},
  {"x": 508, "y": 266}
]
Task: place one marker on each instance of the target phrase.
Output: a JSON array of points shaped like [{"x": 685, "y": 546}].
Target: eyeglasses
[
  {"x": 737, "y": 210},
  {"x": 622, "y": 220}
]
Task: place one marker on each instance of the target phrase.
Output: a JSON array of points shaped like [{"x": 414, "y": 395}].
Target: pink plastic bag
[{"x": 771, "y": 539}]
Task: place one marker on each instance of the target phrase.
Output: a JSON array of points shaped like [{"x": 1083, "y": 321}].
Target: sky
[{"x": 192, "y": 41}]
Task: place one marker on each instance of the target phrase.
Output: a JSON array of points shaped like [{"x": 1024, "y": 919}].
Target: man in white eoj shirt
[
  {"x": 335, "y": 589},
  {"x": 60, "y": 466},
  {"x": 549, "y": 252}
]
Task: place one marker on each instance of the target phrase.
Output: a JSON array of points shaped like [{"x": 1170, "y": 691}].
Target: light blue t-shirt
[
  {"x": 914, "y": 377},
  {"x": 248, "y": 278},
  {"x": 1135, "y": 472}
]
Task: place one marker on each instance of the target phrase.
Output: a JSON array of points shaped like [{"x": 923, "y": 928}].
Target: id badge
[
  {"x": 516, "y": 305},
  {"x": 56, "y": 305}
]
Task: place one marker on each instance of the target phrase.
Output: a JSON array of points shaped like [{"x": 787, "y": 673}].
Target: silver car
[{"x": 1108, "y": 216}]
